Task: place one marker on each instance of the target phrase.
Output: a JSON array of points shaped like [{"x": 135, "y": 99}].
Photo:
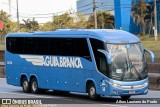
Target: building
[
  {"x": 123, "y": 19},
  {"x": 85, "y": 7}
]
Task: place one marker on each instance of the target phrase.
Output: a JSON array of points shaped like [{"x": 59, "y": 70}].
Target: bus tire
[
  {"x": 125, "y": 97},
  {"x": 92, "y": 92},
  {"x": 34, "y": 86},
  {"x": 25, "y": 85}
]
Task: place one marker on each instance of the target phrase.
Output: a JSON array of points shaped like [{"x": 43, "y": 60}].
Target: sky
[{"x": 40, "y": 9}]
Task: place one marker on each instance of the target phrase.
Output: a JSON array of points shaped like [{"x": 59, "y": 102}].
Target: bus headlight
[
  {"x": 145, "y": 84},
  {"x": 114, "y": 84}
]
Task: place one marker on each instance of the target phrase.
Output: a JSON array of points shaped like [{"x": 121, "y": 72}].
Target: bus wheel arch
[
  {"x": 25, "y": 83},
  {"x": 91, "y": 90}
]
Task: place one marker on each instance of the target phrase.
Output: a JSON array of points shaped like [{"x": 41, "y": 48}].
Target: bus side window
[
  {"x": 11, "y": 44},
  {"x": 99, "y": 57},
  {"x": 82, "y": 49},
  {"x": 41, "y": 46},
  {"x": 55, "y": 46},
  {"x": 102, "y": 63},
  {"x": 69, "y": 47},
  {"x": 29, "y": 46},
  {"x": 15, "y": 45}
]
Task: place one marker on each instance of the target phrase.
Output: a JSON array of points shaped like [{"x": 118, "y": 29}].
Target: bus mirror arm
[
  {"x": 108, "y": 56},
  {"x": 152, "y": 55}
]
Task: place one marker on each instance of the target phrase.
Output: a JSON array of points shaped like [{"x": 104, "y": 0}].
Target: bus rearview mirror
[
  {"x": 151, "y": 54},
  {"x": 108, "y": 56}
]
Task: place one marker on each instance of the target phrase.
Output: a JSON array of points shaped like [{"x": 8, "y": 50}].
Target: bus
[{"x": 101, "y": 62}]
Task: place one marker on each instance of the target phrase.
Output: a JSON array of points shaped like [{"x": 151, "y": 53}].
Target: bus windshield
[{"x": 128, "y": 62}]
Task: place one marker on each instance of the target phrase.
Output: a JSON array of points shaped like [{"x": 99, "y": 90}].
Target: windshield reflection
[{"x": 128, "y": 62}]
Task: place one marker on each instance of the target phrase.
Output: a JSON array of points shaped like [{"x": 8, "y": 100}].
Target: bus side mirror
[
  {"x": 152, "y": 55},
  {"x": 108, "y": 56}
]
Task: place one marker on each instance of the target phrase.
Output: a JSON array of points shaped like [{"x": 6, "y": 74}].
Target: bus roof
[{"x": 106, "y": 35}]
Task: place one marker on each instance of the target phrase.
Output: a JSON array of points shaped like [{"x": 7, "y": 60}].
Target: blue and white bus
[{"x": 97, "y": 62}]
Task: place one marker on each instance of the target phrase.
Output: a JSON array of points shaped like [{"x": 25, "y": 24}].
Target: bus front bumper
[{"x": 117, "y": 90}]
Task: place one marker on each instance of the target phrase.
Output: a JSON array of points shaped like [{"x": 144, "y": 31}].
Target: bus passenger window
[
  {"x": 41, "y": 46},
  {"x": 29, "y": 46},
  {"x": 55, "y": 46},
  {"x": 82, "y": 49},
  {"x": 69, "y": 47},
  {"x": 11, "y": 44},
  {"x": 15, "y": 45}
]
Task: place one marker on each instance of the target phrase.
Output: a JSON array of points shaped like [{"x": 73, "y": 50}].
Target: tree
[
  {"x": 80, "y": 22},
  {"x": 63, "y": 21},
  {"x": 13, "y": 26},
  {"x": 139, "y": 12},
  {"x": 29, "y": 25},
  {"x": 105, "y": 20},
  {"x": 4, "y": 17},
  {"x": 48, "y": 26}
]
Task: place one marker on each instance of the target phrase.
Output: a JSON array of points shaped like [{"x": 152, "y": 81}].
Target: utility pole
[
  {"x": 18, "y": 17},
  {"x": 155, "y": 20},
  {"x": 9, "y": 2},
  {"x": 95, "y": 14}
]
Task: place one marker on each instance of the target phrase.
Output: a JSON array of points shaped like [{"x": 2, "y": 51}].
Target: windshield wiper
[{"x": 136, "y": 71}]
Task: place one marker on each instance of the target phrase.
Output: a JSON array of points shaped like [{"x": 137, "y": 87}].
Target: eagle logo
[{"x": 35, "y": 60}]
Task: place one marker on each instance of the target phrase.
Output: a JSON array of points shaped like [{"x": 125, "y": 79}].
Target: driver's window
[
  {"x": 102, "y": 66},
  {"x": 99, "y": 57}
]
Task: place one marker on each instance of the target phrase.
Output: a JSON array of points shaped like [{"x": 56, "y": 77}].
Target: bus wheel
[
  {"x": 92, "y": 92},
  {"x": 125, "y": 97},
  {"x": 25, "y": 85},
  {"x": 34, "y": 86}
]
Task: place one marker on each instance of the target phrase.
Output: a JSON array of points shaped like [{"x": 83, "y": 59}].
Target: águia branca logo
[{"x": 53, "y": 61}]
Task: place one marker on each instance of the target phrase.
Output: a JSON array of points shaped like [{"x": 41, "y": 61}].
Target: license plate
[{"x": 132, "y": 92}]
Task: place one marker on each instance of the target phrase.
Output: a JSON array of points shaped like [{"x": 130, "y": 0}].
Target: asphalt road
[{"x": 72, "y": 99}]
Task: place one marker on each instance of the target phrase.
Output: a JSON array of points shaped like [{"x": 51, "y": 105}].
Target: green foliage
[
  {"x": 8, "y": 25},
  {"x": 147, "y": 38},
  {"x": 29, "y": 25},
  {"x": 139, "y": 13},
  {"x": 48, "y": 26},
  {"x": 154, "y": 46},
  {"x": 63, "y": 21},
  {"x": 79, "y": 22},
  {"x": 104, "y": 19},
  {"x": 149, "y": 43}
]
